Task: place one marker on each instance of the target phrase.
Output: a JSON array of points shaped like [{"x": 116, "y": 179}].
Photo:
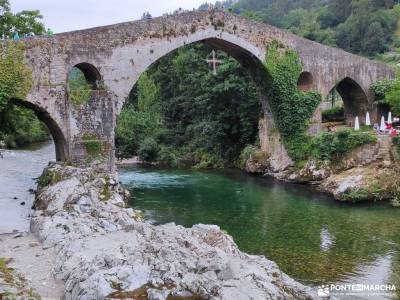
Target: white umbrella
[
  {"x": 368, "y": 120},
  {"x": 357, "y": 124},
  {"x": 390, "y": 121},
  {"x": 383, "y": 125}
]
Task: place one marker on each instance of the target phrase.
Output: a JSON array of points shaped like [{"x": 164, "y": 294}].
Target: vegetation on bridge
[
  {"x": 18, "y": 126},
  {"x": 292, "y": 109}
]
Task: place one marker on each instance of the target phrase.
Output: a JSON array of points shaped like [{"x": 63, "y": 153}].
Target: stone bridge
[{"x": 113, "y": 58}]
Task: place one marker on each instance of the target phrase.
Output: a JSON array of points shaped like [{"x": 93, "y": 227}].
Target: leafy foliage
[
  {"x": 388, "y": 92},
  {"x": 15, "y": 77},
  {"x": 392, "y": 97},
  {"x": 365, "y": 27},
  {"x": 79, "y": 89},
  {"x": 333, "y": 145},
  {"x": 148, "y": 149},
  {"x": 93, "y": 146},
  {"x": 335, "y": 114},
  {"x": 193, "y": 116},
  {"x": 381, "y": 88},
  {"x": 292, "y": 109},
  {"x": 18, "y": 126},
  {"x": 24, "y": 22}
]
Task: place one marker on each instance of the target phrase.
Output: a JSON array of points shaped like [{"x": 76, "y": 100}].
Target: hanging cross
[{"x": 214, "y": 61}]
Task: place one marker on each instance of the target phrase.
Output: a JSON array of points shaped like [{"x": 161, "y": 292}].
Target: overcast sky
[{"x": 68, "y": 15}]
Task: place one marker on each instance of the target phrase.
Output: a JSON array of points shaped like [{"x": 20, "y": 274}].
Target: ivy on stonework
[{"x": 292, "y": 109}]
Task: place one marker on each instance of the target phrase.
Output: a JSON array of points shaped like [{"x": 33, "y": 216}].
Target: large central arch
[{"x": 247, "y": 56}]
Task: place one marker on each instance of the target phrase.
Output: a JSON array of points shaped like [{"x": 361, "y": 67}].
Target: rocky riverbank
[
  {"x": 104, "y": 250},
  {"x": 369, "y": 173}
]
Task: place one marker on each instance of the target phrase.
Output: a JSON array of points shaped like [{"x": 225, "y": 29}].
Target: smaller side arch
[
  {"x": 61, "y": 146},
  {"x": 305, "y": 82},
  {"x": 91, "y": 73}
]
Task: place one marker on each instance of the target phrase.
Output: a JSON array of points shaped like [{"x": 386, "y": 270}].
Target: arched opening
[
  {"x": 355, "y": 100},
  {"x": 345, "y": 102},
  {"x": 82, "y": 79},
  {"x": 57, "y": 135},
  {"x": 88, "y": 72},
  {"x": 206, "y": 119},
  {"x": 305, "y": 82},
  {"x": 28, "y": 138},
  {"x": 333, "y": 108}
]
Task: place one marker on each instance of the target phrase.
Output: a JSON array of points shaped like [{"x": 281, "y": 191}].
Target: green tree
[
  {"x": 393, "y": 96},
  {"x": 25, "y": 22},
  {"x": 204, "y": 119},
  {"x": 366, "y": 27},
  {"x": 18, "y": 126},
  {"x": 374, "y": 39},
  {"x": 148, "y": 94}
]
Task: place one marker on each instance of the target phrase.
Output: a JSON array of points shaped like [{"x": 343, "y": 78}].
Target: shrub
[
  {"x": 169, "y": 157},
  {"x": 333, "y": 145},
  {"x": 79, "y": 89},
  {"x": 148, "y": 150},
  {"x": 94, "y": 147},
  {"x": 210, "y": 161},
  {"x": 396, "y": 143},
  {"x": 80, "y": 96},
  {"x": 247, "y": 152},
  {"x": 381, "y": 88},
  {"x": 335, "y": 114}
]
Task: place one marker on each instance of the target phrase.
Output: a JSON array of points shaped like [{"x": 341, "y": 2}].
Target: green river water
[{"x": 310, "y": 236}]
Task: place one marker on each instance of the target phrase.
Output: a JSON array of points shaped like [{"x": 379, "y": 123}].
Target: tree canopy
[
  {"x": 24, "y": 22},
  {"x": 366, "y": 27},
  {"x": 180, "y": 111},
  {"x": 18, "y": 126}
]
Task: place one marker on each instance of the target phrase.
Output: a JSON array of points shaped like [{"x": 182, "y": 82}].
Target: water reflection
[{"x": 310, "y": 236}]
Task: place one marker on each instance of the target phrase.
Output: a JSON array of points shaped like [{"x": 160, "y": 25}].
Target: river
[
  {"x": 18, "y": 170},
  {"x": 310, "y": 236}
]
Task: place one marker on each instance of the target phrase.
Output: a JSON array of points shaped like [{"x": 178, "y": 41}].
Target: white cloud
[{"x": 68, "y": 15}]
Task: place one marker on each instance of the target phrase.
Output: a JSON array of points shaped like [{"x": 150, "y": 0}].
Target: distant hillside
[{"x": 365, "y": 27}]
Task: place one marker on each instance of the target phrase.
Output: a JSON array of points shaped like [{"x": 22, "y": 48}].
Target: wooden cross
[{"x": 214, "y": 61}]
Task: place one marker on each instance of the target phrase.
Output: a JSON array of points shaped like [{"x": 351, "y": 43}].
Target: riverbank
[
  {"x": 26, "y": 268},
  {"x": 104, "y": 249},
  {"x": 368, "y": 173}
]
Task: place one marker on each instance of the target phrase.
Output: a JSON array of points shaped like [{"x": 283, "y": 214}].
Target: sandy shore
[{"x": 32, "y": 266}]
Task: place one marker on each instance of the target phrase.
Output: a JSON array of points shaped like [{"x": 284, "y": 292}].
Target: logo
[{"x": 323, "y": 291}]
